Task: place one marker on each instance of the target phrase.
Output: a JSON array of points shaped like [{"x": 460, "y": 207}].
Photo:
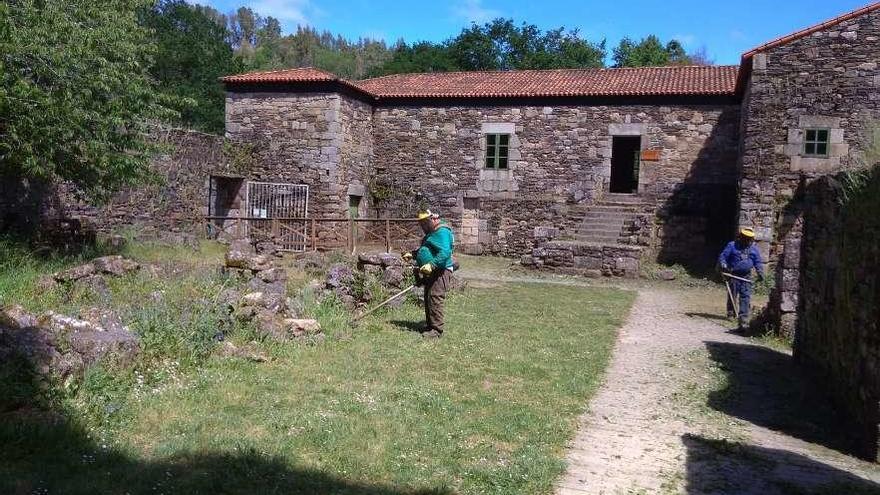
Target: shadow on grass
[
  {"x": 45, "y": 452},
  {"x": 722, "y": 467},
  {"x": 709, "y": 316},
  {"x": 766, "y": 388},
  {"x": 409, "y": 326}
]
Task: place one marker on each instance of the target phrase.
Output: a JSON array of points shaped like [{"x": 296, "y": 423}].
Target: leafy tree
[
  {"x": 423, "y": 56},
  {"x": 192, "y": 54},
  {"x": 75, "y": 94},
  {"x": 649, "y": 52},
  {"x": 502, "y": 45}
]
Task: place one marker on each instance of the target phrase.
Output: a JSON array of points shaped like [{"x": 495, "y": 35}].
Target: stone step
[
  {"x": 623, "y": 217},
  {"x": 608, "y": 217},
  {"x": 623, "y": 197},
  {"x": 598, "y": 239},
  {"x": 618, "y": 226},
  {"x": 599, "y": 232},
  {"x": 614, "y": 208}
]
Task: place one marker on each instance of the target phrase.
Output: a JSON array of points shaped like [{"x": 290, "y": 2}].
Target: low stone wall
[
  {"x": 838, "y": 319},
  {"x": 587, "y": 259},
  {"x": 175, "y": 201}
]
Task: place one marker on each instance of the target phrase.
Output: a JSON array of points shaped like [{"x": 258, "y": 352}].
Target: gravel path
[{"x": 687, "y": 408}]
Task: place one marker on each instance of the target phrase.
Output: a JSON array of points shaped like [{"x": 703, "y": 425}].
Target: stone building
[{"x": 584, "y": 170}]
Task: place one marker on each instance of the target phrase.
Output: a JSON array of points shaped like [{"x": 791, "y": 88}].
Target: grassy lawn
[{"x": 486, "y": 409}]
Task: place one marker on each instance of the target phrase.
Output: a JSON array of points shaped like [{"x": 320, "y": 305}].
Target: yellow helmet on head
[
  {"x": 747, "y": 232},
  {"x": 424, "y": 215}
]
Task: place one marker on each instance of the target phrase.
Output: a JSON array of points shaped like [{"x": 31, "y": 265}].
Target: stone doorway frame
[{"x": 625, "y": 130}]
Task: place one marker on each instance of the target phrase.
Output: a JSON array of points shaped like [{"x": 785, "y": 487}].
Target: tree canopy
[
  {"x": 75, "y": 92},
  {"x": 650, "y": 52},
  {"x": 81, "y": 81},
  {"x": 192, "y": 53}
]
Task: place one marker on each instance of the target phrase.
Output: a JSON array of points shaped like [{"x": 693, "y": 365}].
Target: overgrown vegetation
[
  {"x": 197, "y": 44},
  {"x": 487, "y": 409},
  {"x": 75, "y": 92}
]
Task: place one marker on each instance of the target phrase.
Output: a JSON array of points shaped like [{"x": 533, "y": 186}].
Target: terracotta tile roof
[
  {"x": 643, "y": 81},
  {"x": 812, "y": 29},
  {"x": 302, "y": 74}
]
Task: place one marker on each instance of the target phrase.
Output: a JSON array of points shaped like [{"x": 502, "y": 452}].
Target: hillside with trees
[
  {"x": 198, "y": 44},
  {"x": 75, "y": 105}
]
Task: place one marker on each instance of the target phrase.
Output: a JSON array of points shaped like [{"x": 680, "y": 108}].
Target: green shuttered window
[
  {"x": 496, "y": 150},
  {"x": 816, "y": 142}
]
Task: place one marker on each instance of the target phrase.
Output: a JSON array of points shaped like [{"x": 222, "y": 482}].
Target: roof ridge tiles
[{"x": 563, "y": 69}]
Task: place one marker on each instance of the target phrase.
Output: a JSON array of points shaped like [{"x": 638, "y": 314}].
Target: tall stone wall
[
  {"x": 174, "y": 201},
  {"x": 560, "y": 156},
  {"x": 323, "y": 140},
  {"x": 829, "y": 79},
  {"x": 356, "y": 154},
  {"x": 839, "y": 309}
]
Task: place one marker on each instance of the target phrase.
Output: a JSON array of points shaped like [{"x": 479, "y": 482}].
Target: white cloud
[
  {"x": 685, "y": 39},
  {"x": 474, "y": 11},
  {"x": 292, "y": 11}
]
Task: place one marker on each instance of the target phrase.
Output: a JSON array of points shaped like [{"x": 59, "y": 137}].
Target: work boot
[{"x": 431, "y": 335}]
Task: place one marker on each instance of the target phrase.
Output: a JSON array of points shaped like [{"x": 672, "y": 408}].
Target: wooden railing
[{"x": 301, "y": 234}]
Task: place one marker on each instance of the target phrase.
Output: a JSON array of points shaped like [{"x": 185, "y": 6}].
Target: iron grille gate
[{"x": 286, "y": 202}]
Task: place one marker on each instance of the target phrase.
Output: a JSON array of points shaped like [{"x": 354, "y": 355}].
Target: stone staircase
[{"x": 611, "y": 221}]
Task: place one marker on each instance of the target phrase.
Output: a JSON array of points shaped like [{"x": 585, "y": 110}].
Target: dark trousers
[
  {"x": 435, "y": 293},
  {"x": 743, "y": 292}
]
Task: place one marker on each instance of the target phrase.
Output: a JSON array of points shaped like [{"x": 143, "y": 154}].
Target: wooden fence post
[
  {"x": 387, "y": 235},
  {"x": 314, "y": 235}
]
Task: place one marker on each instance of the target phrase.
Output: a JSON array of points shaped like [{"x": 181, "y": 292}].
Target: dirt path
[{"x": 688, "y": 407}]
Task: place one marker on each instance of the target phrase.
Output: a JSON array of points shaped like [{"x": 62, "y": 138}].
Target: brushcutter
[
  {"x": 357, "y": 318},
  {"x": 730, "y": 293}
]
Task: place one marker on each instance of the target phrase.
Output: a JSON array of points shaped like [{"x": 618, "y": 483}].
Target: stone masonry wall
[
  {"x": 176, "y": 201},
  {"x": 322, "y": 140},
  {"x": 577, "y": 258},
  {"x": 839, "y": 308},
  {"x": 829, "y": 79},
  {"x": 559, "y": 156},
  {"x": 356, "y": 119}
]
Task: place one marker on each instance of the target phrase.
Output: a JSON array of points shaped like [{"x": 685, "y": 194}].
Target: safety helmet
[
  {"x": 423, "y": 215},
  {"x": 747, "y": 232}
]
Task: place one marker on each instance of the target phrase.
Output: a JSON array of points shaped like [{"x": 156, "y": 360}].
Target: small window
[
  {"x": 816, "y": 142},
  {"x": 496, "y": 150}
]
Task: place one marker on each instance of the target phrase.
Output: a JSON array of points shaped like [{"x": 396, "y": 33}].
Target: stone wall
[
  {"x": 839, "y": 307},
  {"x": 298, "y": 139},
  {"x": 560, "y": 156},
  {"x": 175, "y": 201},
  {"x": 590, "y": 260},
  {"x": 323, "y": 140},
  {"x": 829, "y": 79}
]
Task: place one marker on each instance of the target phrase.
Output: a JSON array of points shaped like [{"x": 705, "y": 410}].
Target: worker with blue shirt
[
  {"x": 434, "y": 259},
  {"x": 739, "y": 258}
]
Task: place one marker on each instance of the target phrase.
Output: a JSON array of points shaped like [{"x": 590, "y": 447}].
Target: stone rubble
[
  {"x": 265, "y": 300},
  {"x": 61, "y": 345}
]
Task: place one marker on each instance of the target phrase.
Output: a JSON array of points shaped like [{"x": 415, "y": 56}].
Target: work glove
[
  {"x": 406, "y": 257},
  {"x": 724, "y": 267},
  {"x": 426, "y": 269}
]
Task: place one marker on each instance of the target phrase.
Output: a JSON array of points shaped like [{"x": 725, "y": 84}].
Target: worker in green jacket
[{"x": 434, "y": 259}]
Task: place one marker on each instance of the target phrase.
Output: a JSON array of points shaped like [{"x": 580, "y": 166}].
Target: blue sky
[{"x": 726, "y": 29}]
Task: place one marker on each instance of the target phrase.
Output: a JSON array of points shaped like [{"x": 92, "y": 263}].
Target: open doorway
[{"x": 625, "y": 155}]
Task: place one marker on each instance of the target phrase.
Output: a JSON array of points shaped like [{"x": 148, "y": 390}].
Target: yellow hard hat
[
  {"x": 426, "y": 214},
  {"x": 747, "y": 232}
]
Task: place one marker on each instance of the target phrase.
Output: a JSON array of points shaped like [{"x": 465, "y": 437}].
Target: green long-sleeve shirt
[{"x": 437, "y": 248}]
